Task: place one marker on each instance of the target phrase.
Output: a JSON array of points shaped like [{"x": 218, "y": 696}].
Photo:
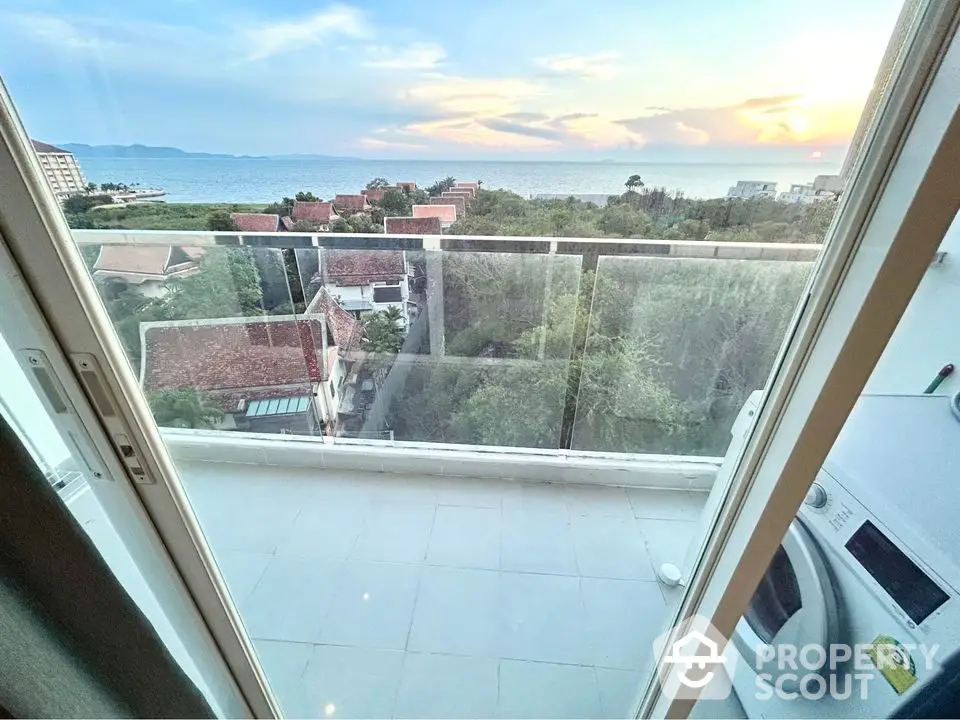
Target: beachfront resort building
[
  {"x": 747, "y": 189},
  {"x": 61, "y": 169}
]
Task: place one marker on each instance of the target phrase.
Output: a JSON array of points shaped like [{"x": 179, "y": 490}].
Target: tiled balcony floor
[{"x": 372, "y": 595}]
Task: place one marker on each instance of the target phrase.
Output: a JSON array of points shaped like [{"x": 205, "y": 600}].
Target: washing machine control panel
[{"x": 877, "y": 556}]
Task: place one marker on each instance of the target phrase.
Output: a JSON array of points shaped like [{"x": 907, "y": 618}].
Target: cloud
[
  {"x": 57, "y": 31},
  {"x": 574, "y": 116},
  {"x": 775, "y": 119},
  {"x": 525, "y": 116},
  {"x": 599, "y": 65},
  {"x": 378, "y": 144},
  {"x": 265, "y": 41},
  {"x": 536, "y": 131},
  {"x": 418, "y": 56},
  {"x": 470, "y": 95}
]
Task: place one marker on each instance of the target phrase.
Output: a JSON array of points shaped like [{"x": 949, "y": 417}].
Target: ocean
[{"x": 254, "y": 180}]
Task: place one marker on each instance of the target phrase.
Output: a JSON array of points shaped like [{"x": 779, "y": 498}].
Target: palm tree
[
  {"x": 183, "y": 409},
  {"x": 633, "y": 182}
]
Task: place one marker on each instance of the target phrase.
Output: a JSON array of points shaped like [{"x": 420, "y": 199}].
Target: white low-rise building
[
  {"x": 746, "y": 189},
  {"x": 367, "y": 280}
]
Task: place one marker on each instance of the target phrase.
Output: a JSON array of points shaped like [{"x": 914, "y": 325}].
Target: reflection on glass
[{"x": 675, "y": 346}]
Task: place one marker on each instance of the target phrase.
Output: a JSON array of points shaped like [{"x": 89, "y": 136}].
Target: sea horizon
[{"x": 265, "y": 179}]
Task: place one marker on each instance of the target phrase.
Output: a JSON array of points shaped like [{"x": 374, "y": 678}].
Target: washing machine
[{"x": 873, "y": 558}]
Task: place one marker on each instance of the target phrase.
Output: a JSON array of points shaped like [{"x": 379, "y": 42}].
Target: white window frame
[{"x": 900, "y": 203}]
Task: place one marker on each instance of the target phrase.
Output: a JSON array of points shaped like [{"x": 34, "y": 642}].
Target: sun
[{"x": 816, "y": 154}]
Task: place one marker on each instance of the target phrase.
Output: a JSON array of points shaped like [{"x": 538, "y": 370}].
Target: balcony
[{"x": 460, "y": 511}]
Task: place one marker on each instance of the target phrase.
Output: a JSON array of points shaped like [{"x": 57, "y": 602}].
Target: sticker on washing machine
[{"x": 894, "y": 662}]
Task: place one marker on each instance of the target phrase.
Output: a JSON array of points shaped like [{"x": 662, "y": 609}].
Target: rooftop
[
  {"x": 318, "y": 211},
  {"x": 412, "y": 225},
  {"x": 459, "y": 202},
  {"x": 223, "y": 356},
  {"x": 256, "y": 222},
  {"x": 344, "y": 327},
  {"x": 136, "y": 264},
  {"x": 356, "y": 267},
  {"x": 446, "y": 213},
  {"x": 351, "y": 203},
  {"x": 42, "y": 147},
  {"x": 374, "y": 195}
]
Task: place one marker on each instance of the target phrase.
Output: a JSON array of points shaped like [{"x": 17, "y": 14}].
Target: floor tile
[
  {"x": 447, "y": 686},
  {"x": 291, "y": 599},
  {"x": 666, "y": 504},
  {"x": 542, "y": 618},
  {"x": 241, "y": 571},
  {"x": 618, "y": 691},
  {"x": 546, "y": 690},
  {"x": 536, "y": 541},
  {"x": 395, "y": 533},
  {"x": 468, "y": 492},
  {"x": 465, "y": 537},
  {"x": 345, "y": 682},
  {"x": 611, "y": 547},
  {"x": 668, "y": 541},
  {"x": 326, "y": 529},
  {"x": 392, "y": 489},
  {"x": 597, "y": 500},
  {"x": 456, "y": 612},
  {"x": 534, "y": 496},
  {"x": 622, "y": 619},
  {"x": 372, "y": 606},
  {"x": 284, "y": 663}
]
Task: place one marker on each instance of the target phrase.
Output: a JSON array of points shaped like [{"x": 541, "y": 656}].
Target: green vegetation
[
  {"x": 183, "y": 409},
  {"x": 150, "y": 215},
  {"x": 648, "y": 213},
  {"x": 220, "y": 221},
  {"x": 228, "y": 284},
  {"x": 670, "y": 350},
  {"x": 382, "y": 332}
]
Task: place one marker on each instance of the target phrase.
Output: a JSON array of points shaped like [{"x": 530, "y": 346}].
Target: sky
[{"x": 487, "y": 79}]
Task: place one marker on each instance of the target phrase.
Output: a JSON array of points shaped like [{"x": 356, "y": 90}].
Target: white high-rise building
[{"x": 61, "y": 170}]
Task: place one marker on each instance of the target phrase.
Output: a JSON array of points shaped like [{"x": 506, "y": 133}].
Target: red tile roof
[
  {"x": 139, "y": 259},
  {"x": 474, "y": 185},
  {"x": 412, "y": 225},
  {"x": 459, "y": 202},
  {"x": 411, "y": 186},
  {"x": 374, "y": 195},
  {"x": 472, "y": 191},
  {"x": 351, "y": 203},
  {"x": 255, "y": 222},
  {"x": 446, "y": 213},
  {"x": 287, "y": 222},
  {"x": 344, "y": 327},
  {"x": 362, "y": 267},
  {"x": 223, "y": 355},
  {"x": 318, "y": 211},
  {"x": 42, "y": 147},
  {"x": 463, "y": 192}
]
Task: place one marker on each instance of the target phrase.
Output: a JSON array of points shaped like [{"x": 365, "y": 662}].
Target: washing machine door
[{"x": 795, "y": 604}]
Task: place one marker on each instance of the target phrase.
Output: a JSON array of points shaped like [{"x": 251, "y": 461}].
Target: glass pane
[
  {"x": 880, "y": 530},
  {"x": 675, "y": 347},
  {"x": 418, "y": 306}
]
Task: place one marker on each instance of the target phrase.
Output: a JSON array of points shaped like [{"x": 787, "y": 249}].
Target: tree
[
  {"x": 91, "y": 187},
  {"x": 220, "y": 221},
  {"x": 441, "y": 186},
  {"x": 377, "y": 183},
  {"x": 633, "y": 182},
  {"x": 307, "y": 226},
  {"x": 382, "y": 332},
  {"x": 79, "y": 204},
  {"x": 284, "y": 208},
  {"x": 227, "y": 285},
  {"x": 306, "y": 196},
  {"x": 396, "y": 204},
  {"x": 183, "y": 409}
]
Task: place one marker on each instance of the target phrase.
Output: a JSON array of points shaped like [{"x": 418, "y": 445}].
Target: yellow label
[{"x": 894, "y": 663}]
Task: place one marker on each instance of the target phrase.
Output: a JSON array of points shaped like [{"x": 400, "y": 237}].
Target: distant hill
[{"x": 154, "y": 151}]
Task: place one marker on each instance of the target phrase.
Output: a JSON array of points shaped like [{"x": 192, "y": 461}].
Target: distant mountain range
[{"x": 154, "y": 151}]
